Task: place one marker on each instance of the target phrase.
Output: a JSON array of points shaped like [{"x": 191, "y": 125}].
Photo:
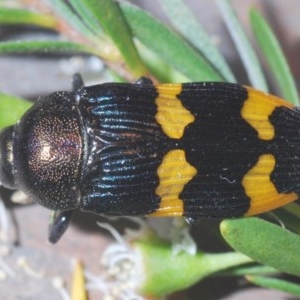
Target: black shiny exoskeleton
[
  {"x": 198, "y": 150},
  {"x": 71, "y": 149}
]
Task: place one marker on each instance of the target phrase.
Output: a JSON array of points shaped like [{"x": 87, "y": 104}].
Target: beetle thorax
[{"x": 47, "y": 150}]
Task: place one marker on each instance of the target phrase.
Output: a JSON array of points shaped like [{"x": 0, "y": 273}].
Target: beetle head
[{"x": 6, "y": 158}]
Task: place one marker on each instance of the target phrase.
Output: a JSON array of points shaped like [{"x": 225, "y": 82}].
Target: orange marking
[
  {"x": 257, "y": 109},
  {"x": 171, "y": 114},
  {"x": 260, "y": 189},
  {"x": 174, "y": 173}
]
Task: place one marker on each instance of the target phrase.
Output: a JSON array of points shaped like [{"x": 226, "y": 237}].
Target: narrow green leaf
[
  {"x": 44, "y": 47},
  {"x": 166, "y": 273},
  {"x": 274, "y": 283},
  {"x": 19, "y": 16},
  {"x": 161, "y": 70},
  {"x": 247, "y": 54},
  {"x": 274, "y": 55},
  {"x": 81, "y": 18},
  {"x": 186, "y": 24},
  {"x": 250, "y": 270},
  {"x": 109, "y": 15},
  {"x": 86, "y": 16},
  {"x": 11, "y": 109},
  {"x": 169, "y": 46},
  {"x": 64, "y": 10},
  {"x": 264, "y": 242}
]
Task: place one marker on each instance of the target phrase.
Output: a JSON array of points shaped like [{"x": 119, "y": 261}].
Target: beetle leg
[
  {"x": 77, "y": 82},
  {"x": 144, "y": 81},
  {"x": 192, "y": 220},
  {"x": 59, "y": 223}
]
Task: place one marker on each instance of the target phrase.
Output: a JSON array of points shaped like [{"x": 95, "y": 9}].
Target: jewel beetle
[{"x": 198, "y": 150}]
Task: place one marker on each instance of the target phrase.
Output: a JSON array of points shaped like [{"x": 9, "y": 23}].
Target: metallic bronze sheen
[{"x": 48, "y": 148}]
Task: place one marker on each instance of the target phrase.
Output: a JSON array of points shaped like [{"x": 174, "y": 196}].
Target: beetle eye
[{"x": 6, "y": 158}]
